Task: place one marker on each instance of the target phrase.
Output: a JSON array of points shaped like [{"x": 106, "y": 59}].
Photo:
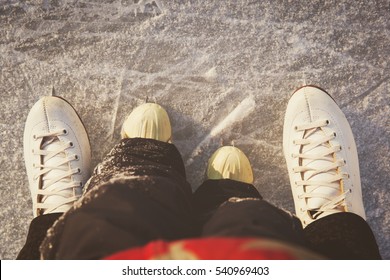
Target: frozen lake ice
[{"x": 224, "y": 70}]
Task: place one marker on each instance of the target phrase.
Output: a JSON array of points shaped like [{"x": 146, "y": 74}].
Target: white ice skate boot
[
  {"x": 150, "y": 121},
  {"x": 321, "y": 157},
  {"x": 230, "y": 163},
  {"x": 57, "y": 155}
]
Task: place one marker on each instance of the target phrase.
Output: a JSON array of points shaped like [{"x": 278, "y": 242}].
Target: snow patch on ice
[{"x": 242, "y": 110}]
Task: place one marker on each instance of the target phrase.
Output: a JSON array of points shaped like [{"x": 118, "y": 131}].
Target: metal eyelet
[
  {"x": 65, "y": 132},
  {"x": 34, "y": 137},
  {"x": 71, "y": 144},
  {"x": 296, "y": 128},
  {"x": 327, "y": 122},
  {"x": 76, "y": 157}
]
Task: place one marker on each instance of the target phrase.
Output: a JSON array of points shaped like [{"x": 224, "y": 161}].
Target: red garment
[{"x": 216, "y": 248}]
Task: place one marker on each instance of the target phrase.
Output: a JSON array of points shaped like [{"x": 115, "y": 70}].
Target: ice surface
[
  {"x": 244, "y": 109},
  {"x": 224, "y": 71}
]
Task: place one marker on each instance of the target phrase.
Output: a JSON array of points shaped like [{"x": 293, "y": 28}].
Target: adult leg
[
  {"x": 342, "y": 236},
  {"x": 57, "y": 157},
  {"x": 323, "y": 166},
  {"x": 36, "y": 234}
]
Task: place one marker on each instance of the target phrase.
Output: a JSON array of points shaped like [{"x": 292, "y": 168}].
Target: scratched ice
[{"x": 224, "y": 71}]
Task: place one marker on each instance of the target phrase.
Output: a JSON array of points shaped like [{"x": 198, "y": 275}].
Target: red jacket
[{"x": 216, "y": 248}]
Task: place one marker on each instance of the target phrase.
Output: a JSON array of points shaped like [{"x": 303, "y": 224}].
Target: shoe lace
[
  {"x": 315, "y": 146},
  {"x": 49, "y": 180}
]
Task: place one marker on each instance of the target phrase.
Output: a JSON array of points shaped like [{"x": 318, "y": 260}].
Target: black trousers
[{"x": 140, "y": 194}]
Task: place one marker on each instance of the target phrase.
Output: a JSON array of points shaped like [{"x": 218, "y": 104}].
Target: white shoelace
[
  {"x": 309, "y": 155},
  {"x": 58, "y": 183}
]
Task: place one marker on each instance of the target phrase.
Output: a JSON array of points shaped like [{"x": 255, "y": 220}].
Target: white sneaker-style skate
[
  {"x": 321, "y": 157},
  {"x": 230, "y": 163},
  {"x": 57, "y": 155},
  {"x": 150, "y": 121}
]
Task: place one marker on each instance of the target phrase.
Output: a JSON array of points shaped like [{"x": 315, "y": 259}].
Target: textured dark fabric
[
  {"x": 235, "y": 209},
  {"x": 254, "y": 218},
  {"x": 137, "y": 194},
  {"x": 139, "y": 157},
  {"x": 123, "y": 215},
  {"x": 343, "y": 236},
  {"x": 212, "y": 193},
  {"x": 36, "y": 234}
]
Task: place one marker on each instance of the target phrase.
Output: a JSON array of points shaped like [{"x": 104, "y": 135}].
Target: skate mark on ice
[
  {"x": 242, "y": 110},
  {"x": 251, "y": 141},
  {"x": 117, "y": 103},
  {"x": 28, "y": 81},
  {"x": 366, "y": 93}
]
